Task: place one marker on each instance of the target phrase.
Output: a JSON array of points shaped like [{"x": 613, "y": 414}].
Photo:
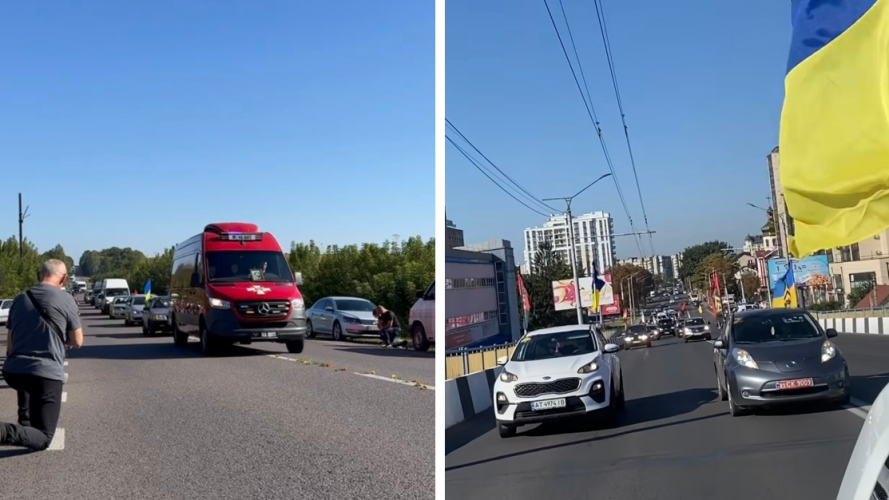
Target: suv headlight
[
  {"x": 706, "y": 328},
  {"x": 589, "y": 368},
  {"x": 828, "y": 351},
  {"x": 219, "y": 303},
  {"x": 744, "y": 358},
  {"x": 505, "y": 376}
]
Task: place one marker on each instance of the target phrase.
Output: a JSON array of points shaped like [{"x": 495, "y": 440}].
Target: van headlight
[
  {"x": 744, "y": 359},
  {"x": 505, "y": 376},
  {"x": 828, "y": 351},
  {"x": 298, "y": 304},
  {"x": 589, "y": 368},
  {"x": 219, "y": 303},
  {"x": 707, "y": 328}
]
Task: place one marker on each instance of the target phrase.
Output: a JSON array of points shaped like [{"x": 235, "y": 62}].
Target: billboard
[
  {"x": 812, "y": 271},
  {"x": 565, "y": 295}
]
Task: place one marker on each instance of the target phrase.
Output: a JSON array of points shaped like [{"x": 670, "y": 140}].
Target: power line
[
  {"x": 606, "y": 42},
  {"x": 530, "y": 196},
  {"x": 591, "y": 112},
  {"x": 482, "y": 170}
]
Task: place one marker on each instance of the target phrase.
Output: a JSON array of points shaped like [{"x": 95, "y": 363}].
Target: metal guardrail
[
  {"x": 855, "y": 313},
  {"x": 460, "y": 362}
]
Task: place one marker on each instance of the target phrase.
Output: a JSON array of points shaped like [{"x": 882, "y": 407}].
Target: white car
[
  {"x": 555, "y": 373},
  {"x": 867, "y": 473},
  {"x": 5, "y": 305}
]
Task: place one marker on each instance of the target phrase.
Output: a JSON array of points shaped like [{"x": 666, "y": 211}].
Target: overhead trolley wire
[
  {"x": 606, "y": 42},
  {"x": 527, "y": 194},
  {"x": 591, "y": 112},
  {"x": 491, "y": 178}
]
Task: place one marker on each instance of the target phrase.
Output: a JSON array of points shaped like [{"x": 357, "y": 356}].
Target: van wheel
[
  {"x": 296, "y": 346},
  {"x": 180, "y": 338},
  {"x": 310, "y": 333},
  {"x": 338, "y": 332},
  {"x": 209, "y": 345},
  {"x": 418, "y": 333}
]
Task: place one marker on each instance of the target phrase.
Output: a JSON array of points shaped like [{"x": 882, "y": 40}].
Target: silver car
[
  {"x": 342, "y": 318},
  {"x": 5, "y": 305},
  {"x": 770, "y": 357},
  {"x": 696, "y": 329},
  {"x": 156, "y": 316},
  {"x": 118, "y": 307},
  {"x": 133, "y": 311}
]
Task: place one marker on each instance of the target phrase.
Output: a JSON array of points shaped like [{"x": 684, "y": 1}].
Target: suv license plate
[
  {"x": 267, "y": 335},
  {"x": 549, "y": 404}
]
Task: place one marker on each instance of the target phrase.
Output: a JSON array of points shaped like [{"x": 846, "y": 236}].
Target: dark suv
[{"x": 666, "y": 326}]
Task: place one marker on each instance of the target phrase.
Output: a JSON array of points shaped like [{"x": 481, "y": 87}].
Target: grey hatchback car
[{"x": 771, "y": 357}]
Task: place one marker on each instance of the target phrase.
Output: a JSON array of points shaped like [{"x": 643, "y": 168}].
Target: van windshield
[{"x": 247, "y": 265}]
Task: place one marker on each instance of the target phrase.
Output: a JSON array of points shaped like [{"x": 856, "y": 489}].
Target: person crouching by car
[{"x": 389, "y": 326}]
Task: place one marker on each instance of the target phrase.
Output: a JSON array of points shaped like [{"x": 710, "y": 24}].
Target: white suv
[{"x": 561, "y": 372}]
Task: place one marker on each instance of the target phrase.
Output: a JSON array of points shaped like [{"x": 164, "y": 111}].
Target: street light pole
[{"x": 572, "y": 248}]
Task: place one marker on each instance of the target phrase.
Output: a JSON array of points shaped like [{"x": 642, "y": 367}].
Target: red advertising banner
[
  {"x": 614, "y": 307},
  {"x": 526, "y": 301}
]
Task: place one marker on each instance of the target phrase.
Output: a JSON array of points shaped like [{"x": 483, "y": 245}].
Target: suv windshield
[
  {"x": 555, "y": 345},
  {"x": 665, "y": 322},
  {"x": 637, "y": 329},
  {"x": 354, "y": 305},
  {"x": 139, "y": 301},
  {"x": 774, "y": 328},
  {"x": 694, "y": 322},
  {"x": 116, "y": 292},
  {"x": 247, "y": 265}
]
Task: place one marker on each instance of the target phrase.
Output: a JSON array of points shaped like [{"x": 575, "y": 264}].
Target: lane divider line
[
  {"x": 65, "y": 396},
  {"x": 368, "y": 375},
  {"x": 58, "y": 440},
  {"x": 858, "y": 407}
]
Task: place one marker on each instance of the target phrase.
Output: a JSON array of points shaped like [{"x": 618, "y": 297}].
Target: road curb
[
  {"x": 870, "y": 326},
  {"x": 469, "y": 395}
]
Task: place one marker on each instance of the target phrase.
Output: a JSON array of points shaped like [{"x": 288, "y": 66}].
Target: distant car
[
  {"x": 557, "y": 373},
  {"x": 342, "y": 318},
  {"x": 5, "y": 305},
  {"x": 422, "y": 319},
  {"x": 770, "y": 357},
  {"x": 636, "y": 336},
  {"x": 156, "y": 316},
  {"x": 133, "y": 310},
  {"x": 118, "y": 307},
  {"x": 696, "y": 329},
  {"x": 666, "y": 326},
  {"x": 653, "y": 333}
]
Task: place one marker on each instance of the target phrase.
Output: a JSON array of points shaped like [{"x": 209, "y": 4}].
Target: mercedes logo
[{"x": 264, "y": 308}]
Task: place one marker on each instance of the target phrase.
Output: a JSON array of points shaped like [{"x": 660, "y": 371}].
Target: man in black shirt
[{"x": 390, "y": 327}]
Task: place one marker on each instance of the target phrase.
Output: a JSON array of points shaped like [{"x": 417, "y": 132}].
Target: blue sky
[
  {"x": 701, "y": 84},
  {"x": 136, "y": 123}
]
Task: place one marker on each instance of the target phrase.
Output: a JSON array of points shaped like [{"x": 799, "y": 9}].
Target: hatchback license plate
[
  {"x": 801, "y": 383},
  {"x": 549, "y": 404}
]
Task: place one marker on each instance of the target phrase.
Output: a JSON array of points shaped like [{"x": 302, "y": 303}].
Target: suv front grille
[
  {"x": 560, "y": 386},
  {"x": 263, "y": 309}
]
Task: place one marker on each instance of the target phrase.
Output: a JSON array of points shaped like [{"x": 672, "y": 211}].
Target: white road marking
[
  {"x": 58, "y": 441},
  {"x": 65, "y": 363},
  {"x": 368, "y": 375},
  {"x": 858, "y": 407},
  {"x": 64, "y": 397}
]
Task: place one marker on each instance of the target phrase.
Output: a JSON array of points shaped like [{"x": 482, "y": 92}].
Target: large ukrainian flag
[
  {"x": 784, "y": 294},
  {"x": 834, "y": 141}
]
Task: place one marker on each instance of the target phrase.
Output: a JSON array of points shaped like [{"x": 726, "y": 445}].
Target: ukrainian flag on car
[
  {"x": 784, "y": 294},
  {"x": 834, "y": 141}
]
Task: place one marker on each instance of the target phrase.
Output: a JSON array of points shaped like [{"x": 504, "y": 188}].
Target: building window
[
  {"x": 502, "y": 302},
  {"x": 452, "y": 283},
  {"x": 470, "y": 319}
]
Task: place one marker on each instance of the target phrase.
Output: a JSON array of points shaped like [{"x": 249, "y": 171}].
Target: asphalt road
[
  {"x": 145, "y": 419},
  {"x": 676, "y": 440}
]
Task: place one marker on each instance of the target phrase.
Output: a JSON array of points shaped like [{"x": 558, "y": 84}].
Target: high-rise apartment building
[
  {"x": 593, "y": 240},
  {"x": 659, "y": 265}
]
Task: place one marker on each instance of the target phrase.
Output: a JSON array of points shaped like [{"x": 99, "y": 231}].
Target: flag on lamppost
[{"x": 526, "y": 302}]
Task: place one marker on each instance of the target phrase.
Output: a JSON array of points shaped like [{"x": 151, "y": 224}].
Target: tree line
[
  {"x": 390, "y": 273},
  {"x": 700, "y": 261}
]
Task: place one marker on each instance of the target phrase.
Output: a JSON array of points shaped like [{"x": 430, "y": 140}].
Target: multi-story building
[
  {"x": 481, "y": 299},
  {"x": 593, "y": 240},
  {"x": 676, "y": 259},
  {"x": 784, "y": 223},
  {"x": 453, "y": 236},
  {"x": 659, "y": 265}
]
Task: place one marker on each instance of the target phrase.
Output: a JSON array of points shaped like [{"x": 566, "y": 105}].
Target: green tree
[
  {"x": 17, "y": 273},
  {"x": 642, "y": 283},
  {"x": 859, "y": 292},
  {"x": 721, "y": 263},
  {"x": 693, "y": 255},
  {"x": 157, "y": 269},
  {"x": 548, "y": 267},
  {"x": 389, "y": 274},
  {"x": 57, "y": 252}
]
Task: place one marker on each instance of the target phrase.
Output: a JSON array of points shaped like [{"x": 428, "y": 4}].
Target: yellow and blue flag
[
  {"x": 598, "y": 286},
  {"x": 784, "y": 294},
  {"x": 148, "y": 291},
  {"x": 834, "y": 140}
]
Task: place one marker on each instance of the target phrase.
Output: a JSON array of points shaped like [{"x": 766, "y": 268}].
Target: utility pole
[
  {"x": 572, "y": 249},
  {"x": 23, "y": 214}
]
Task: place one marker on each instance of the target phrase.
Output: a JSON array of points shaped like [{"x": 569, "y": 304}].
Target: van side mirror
[
  {"x": 298, "y": 278},
  {"x": 195, "y": 280},
  {"x": 831, "y": 333},
  {"x": 501, "y": 361}
]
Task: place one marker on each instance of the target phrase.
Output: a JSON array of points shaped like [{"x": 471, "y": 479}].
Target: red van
[{"x": 231, "y": 284}]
